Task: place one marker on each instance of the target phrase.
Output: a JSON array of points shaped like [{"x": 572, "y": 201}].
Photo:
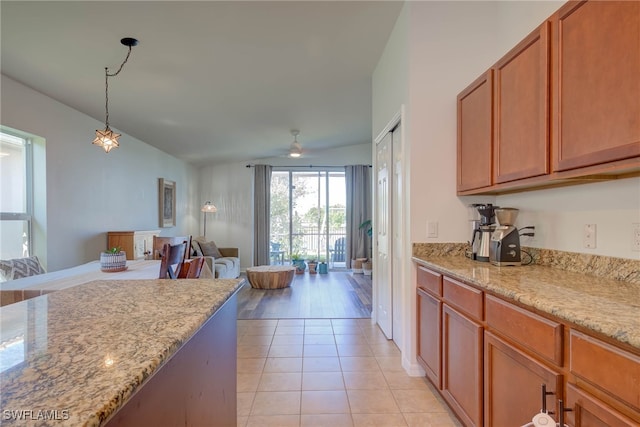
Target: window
[
  {"x": 16, "y": 197},
  {"x": 308, "y": 215}
]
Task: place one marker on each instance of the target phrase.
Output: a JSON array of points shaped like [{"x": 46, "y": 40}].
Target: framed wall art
[{"x": 167, "y": 206}]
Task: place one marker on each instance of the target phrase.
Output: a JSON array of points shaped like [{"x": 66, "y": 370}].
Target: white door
[
  {"x": 397, "y": 243},
  {"x": 384, "y": 294}
]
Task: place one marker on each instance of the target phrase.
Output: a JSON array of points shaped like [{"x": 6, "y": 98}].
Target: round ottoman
[{"x": 270, "y": 276}]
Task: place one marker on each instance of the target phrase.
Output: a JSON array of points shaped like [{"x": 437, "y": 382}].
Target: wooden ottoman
[{"x": 270, "y": 276}]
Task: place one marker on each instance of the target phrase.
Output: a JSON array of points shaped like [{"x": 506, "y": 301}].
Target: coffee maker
[
  {"x": 481, "y": 238},
  {"x": 505, "y": 239}
]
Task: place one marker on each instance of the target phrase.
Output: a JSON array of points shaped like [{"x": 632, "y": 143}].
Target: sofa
[{"x": 224, "y": 262}]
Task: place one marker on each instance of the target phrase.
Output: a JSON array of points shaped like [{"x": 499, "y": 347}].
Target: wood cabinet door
[
  {"x": 588, "y": 411},
  {"x": 521, "y": 109},
  {"x": 429, "y": 338},
  {"x": 462, "y": 365},
  {"x": 596, "y": 88},
  {"x": 513, "y": 384},
  {"x": 475, "y": 134}
]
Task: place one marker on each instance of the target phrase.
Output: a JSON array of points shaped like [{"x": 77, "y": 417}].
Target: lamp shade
[{"x": 209, "y": 207}]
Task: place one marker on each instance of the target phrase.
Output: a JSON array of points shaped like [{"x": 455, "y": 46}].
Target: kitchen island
[{"x": 118, "y": 352}]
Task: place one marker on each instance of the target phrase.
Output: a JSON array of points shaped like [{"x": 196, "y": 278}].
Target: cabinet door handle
[
  {"x": 545, "y": 393},
  {"x": 562, "y": 410}
]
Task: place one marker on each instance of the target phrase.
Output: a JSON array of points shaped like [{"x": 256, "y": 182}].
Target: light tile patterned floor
[{"x": 329, "y": 372}]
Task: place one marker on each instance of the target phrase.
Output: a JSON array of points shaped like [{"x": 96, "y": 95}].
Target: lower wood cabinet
[
  {"x": 588, "y": 411},
  {"x": 429, "y": 340},
  {"x": 513, "y": 384},
  {"x": 462, "y": 365},
  {"x": 489, "y": 358}
]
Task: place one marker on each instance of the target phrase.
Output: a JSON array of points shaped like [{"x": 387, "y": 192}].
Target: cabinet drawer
[
  {"x": 463, "y": 297},
  {"x": 429, "y": 281},
  {"x": 535, "y": 333},
  {"x": 606, "y": 367}
]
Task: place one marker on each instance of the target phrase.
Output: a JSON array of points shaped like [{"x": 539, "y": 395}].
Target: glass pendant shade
[{"x": 107, "y": 139}]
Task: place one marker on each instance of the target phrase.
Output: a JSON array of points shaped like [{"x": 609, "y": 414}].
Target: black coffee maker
[{"x": 481, "y": 241}]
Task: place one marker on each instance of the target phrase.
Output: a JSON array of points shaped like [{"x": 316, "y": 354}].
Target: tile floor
[{"x": 329, "y": 372}]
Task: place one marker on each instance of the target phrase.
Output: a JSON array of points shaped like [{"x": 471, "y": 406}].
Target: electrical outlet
[
  {"x": 589, "y": 236},
  {"x": 635, "y": 236}
]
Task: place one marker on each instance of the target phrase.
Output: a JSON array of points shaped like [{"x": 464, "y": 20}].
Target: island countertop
[
  {"x": 606, "y": 306},
  {"x": 73, "y": 357}
]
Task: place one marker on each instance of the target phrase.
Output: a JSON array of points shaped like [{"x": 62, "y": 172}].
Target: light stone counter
[
  {"x": 609, "y": 307},
  {"x": 76, "y": 355}
]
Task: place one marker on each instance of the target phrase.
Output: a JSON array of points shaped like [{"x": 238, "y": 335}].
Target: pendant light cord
[{"x": 106, "y": 86}]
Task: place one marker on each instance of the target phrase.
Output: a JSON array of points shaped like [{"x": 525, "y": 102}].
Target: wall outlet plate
[
  {"x": 635, "y": 236},
  {"x": 589, "y": 236}
]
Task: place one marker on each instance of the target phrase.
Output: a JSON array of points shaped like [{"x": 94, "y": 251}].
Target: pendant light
[
  {"x": 106, "y": 138},
  {"x": 296, "y": 149}
]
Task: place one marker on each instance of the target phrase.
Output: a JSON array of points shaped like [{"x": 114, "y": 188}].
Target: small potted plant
[
  {"x": 322, "y": 267},
  {"x": 298, "y": 263},
  {"x": 112, "y": 260},
  {"x": 311, "y": 262}
]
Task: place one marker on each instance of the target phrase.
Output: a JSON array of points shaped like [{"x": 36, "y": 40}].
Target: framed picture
[{"x": 167, "y": 207}]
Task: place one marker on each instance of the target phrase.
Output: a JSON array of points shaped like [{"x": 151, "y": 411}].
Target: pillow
[
  {"x": 209, "y": 249},
  {"x": 11, "y": 269},
  {"x": 195, "y": 245}
]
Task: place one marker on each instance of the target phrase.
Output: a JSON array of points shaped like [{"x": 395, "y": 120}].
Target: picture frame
[{"x": 167, "y": 202}]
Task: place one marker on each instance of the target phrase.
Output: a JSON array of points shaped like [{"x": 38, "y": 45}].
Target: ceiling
[{"x": 210, "y": 82}]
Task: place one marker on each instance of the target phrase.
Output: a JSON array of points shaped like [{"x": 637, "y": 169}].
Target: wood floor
[{"x": 337, "y": 295}]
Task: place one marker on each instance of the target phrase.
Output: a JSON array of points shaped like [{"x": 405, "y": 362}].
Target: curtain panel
[
  {"x": 359, "y": 210},
  {"x": 261, "y": 208}
]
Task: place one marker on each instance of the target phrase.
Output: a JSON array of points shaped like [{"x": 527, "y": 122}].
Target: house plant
[
  {"x": 311, "y": 262},
  {"x": 322, "y": 267},
  {"x": 298, "y": 263},
  {"x": 112, "y": 260}
]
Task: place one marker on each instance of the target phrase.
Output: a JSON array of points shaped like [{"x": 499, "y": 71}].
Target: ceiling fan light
[{"x": 295, "y": 150}]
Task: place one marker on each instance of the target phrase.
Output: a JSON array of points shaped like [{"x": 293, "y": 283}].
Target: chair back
[
  {"x": 192, "y": 268},
  {"x": 159, "y": 242},
  {"x": 338, "y": 250},
  {"x": 172, "y": 255}
]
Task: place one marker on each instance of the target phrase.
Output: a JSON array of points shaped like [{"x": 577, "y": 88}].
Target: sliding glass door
[{"x": 308, "y": 216}]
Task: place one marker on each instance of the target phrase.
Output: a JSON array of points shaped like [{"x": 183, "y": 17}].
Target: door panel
[{"x": 384, "y": 293}]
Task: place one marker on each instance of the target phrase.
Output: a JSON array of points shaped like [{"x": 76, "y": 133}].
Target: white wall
[
  {"x": 230, "y": 189},
  {"x": 90, "y": 192}
]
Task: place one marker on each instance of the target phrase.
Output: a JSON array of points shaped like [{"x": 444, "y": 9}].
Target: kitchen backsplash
[{"x": 627, "y": 270}]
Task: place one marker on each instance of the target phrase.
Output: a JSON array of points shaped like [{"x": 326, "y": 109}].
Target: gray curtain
[
  {"x": 261, "y": 206},
  {"x": 359, "y": 210}
]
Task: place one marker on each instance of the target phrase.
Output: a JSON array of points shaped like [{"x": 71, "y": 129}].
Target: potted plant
[
  {"x": 322, "y": 267},
  {"x": 312, "y": 265},
  {"x": 112, "y": 260},
  {"x": 298, "y": 263}
]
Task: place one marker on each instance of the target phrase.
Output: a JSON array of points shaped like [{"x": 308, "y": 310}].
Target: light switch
[{"x": 432, "y": 229}]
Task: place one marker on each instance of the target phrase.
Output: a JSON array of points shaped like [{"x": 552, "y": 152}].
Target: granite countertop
[
  {"x": 81, "y": 352},
  {"x": 609, "y": 307}
]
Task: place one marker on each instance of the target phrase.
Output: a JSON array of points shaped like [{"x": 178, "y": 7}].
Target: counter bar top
[
  {"x": 73, "y": 357},
  {"x": 609, "y": 307}
]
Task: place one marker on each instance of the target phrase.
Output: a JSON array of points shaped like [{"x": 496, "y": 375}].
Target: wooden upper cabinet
[
  {"x": 475, "y": 134},
  {"x": 596, "y": 83},
  {"x": 521, "y": 109}
]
